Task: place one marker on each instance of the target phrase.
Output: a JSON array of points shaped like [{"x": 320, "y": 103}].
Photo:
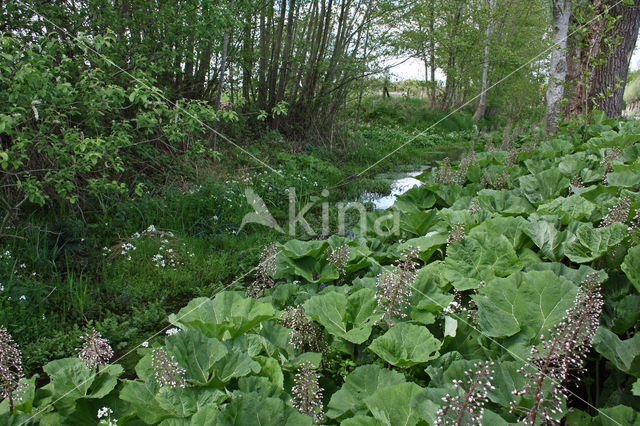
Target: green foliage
[
  {"x": 64, "y": 139},
  {"x": 489, "y": 296}
]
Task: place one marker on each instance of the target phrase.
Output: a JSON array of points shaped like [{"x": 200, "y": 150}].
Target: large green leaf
[
  {"x": 631, "y": 266},
  {"x": 417, "y": 199},
  {"x": 406, "y": 345},
  {"x": 306, "y": 259},
  {"x": 141, "y": 398},
  {"x": 72, "y": 380},
  {"x": 512, "y": 227},
  {"x": 311, "y": 269},
  {"x": 543, "y": 186},
  {"x": 479, "y": 257},
  {"x": 504, "y": 202},
  {"x": 527, "y": 302},
  {"x": 358, "y": 385},
  {"x": 548, "y": 238},
  {"x": 624, "y": 354},
  {"x": 419, "y": 223},
  {"x": 592, "y": 243},
  {"x": 254, "y": 409},
  {"x": 426, "y": 293},
  {"x": 624, "y": 176},
  {"x": 184, "y": 402},
  {"x": 348, "y": 317},
  {"x": 576, "y": 276},
  {"x": 426, "y": 245},
  {"x": 573, "y": 208},
  {"x": 234, "y": 364},
  {"x": 362, "y": 421},
  {"x": 618, "y": 415},
  {"x": 392, "y": 405},
  {"x": 229, "y": 315},
  {"x": 196, "y": 353},
  {"x": 296, "y": 249}
]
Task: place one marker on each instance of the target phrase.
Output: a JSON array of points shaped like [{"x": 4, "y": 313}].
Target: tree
[
  {"x": 482, "y": 105},
  {"x": 609, "y": 79},
  {"x": 561, "y": 12}
]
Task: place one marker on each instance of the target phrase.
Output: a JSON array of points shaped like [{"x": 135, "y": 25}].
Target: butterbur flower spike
[
  {"x": 10, "y": 369},
  {"x": 606, "y": 162},
  {"x": 394, "y": 288},
  {"x": 456, "y": 234},
  {"x": 307, "y": 393},
  {"x": 445, "y": 174},
  {"x": 304, "y": 333},
  {"x": 467, "y": 407},
  {"x": 95, "y": 350},
  {"x": 560, "y": 357},
  {"x": 167, "y": 372},
  {"x": 264, "y": 272},
  {"x": 475, "y": 206},
  {"x": 617, "y": 213},
  {"x": 338, "y": 257}
]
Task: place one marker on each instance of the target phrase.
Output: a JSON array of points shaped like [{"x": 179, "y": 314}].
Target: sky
[{"x": 412, "y": 69}]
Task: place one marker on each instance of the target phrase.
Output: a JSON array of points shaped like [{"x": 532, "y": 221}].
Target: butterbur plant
[
  {"x": 265, "y": 269},
  {"x": 10, "y": 369},
  {"x": 307, "y": 393},
  {"x": 474, "y": 208},
  {"x": 304, "y": 333},
  {"x": 95, "y": 350},
  {"x": 394, "y": 288},
  {"x": 606, "y": 162},
  {"x": 456, "y": 234},
  {"x": 512, "y": 158},
  {"x": 576, "y": 182},
  {"x": 467, "y": 407},
  {"x": 617, "y": 213},
  {"x": 498, "y": 182},
  {"x": 445, "y": 174},
  {"x": 166, "y": 370},
  {"x": 339, "y": 257},
  {"x": 560, "y": 357}
]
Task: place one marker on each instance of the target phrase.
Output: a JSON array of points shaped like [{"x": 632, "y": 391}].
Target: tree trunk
[
  {"x": 286, "y": 58},
  {"x": 574, "y": 54},
  {"x": 610, "y": 78},
  {"x": 223, "y": 65},
  {"x": 247, "y": 59},
  {"x": 482, "y": 105},
  {"x": 265, "y": 37},
  {"x": 432, "y": 56},
  {"x": 558, "y": 65},
  {"x": 275, "y": 56},
  {"x": 589, "y": 47}
]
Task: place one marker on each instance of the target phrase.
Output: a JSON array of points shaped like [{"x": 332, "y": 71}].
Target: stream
[
  {"x": 400, "y": 183},
  {"x": 403, "y": 180}
]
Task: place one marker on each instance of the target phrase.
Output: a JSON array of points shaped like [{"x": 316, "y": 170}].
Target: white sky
[{"x": 412, "y": 69}]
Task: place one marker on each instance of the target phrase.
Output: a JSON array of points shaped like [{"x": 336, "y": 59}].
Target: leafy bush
[{"x": 63, "y": 137}]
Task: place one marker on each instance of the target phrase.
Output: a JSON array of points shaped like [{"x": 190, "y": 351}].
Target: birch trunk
[
  {"x": 482, "y": 105},
  {"x": 558, "y": 65}
]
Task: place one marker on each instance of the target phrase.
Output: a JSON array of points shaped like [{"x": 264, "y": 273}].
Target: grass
[{"x": 78, "y": 271}]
